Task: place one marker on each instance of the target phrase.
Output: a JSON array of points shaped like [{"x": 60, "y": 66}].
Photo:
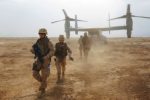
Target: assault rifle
[{"x": 37, "y": 52}]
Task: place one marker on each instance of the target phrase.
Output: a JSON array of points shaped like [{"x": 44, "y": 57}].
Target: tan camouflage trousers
[
  {"x": 60, "y": 66},
  {"x": 86, "y": 53},
  {"x": 81, "y": 50},
  {"x": 42, "y": 75}
]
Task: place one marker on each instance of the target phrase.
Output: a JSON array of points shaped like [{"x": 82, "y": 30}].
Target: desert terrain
[{"x": 118, "y": 70}]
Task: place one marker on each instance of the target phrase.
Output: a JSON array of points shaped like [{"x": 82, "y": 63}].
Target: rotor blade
[
  {"x": 71, "y": 19},
  {"x": 57, "y": 21},
  {"x": 140, "y": 16},
  {"x": 64, "y": 12},
  {"x": 124, "y": 16}
]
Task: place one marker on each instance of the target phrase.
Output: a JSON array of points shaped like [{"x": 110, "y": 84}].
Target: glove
[
  {"x": 46, "y": 57},
  {"x": 71, "y": 58},
  {"x": 55, "y": 59},
  {"x": 32, "y": 51}
]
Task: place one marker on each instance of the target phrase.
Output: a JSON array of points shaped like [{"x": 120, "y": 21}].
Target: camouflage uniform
[
  {"x": 61, "y": 60},
  {"x": 44, "y": 67},
  {"x": 86, "y": 45}
]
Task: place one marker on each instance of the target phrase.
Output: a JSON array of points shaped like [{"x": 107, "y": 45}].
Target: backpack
[{"x": 61, "y": 50}]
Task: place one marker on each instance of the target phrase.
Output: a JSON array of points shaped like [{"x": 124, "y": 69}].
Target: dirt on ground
[{"x": 118, "y": 70}]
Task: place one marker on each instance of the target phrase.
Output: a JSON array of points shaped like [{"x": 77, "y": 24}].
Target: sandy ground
[{"x": 119, "y": 70}]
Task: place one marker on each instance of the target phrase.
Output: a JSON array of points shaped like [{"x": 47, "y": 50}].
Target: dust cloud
[{"x": 118, "y": 70}]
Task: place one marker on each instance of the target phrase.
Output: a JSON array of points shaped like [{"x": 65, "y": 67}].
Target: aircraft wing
[
  {"x": 124, "y": 16},
  {"x": 57, "y": 21},
  {"x": 114, "y": 28},
  {"x": 82, "y": 20},
  {"x": 99, "y": 29},
  {"x": 72, "y": 19},
  {"x": 140, "y": 16},
  {"x": 84, "y": 29}
]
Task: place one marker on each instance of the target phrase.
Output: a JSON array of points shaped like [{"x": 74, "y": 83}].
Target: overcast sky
[{"x": 24, "y": 17}]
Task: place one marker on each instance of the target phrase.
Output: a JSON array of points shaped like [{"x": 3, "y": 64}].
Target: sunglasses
[{"x": 42, "y": 33}]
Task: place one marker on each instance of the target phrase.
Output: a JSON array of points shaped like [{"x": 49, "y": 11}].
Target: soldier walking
[
  {"x": 80, "y": 45},
  {"x": 86, "y": 45},
  {"x": 61, "y": 51},
  {"x": 43, "y": 50}
]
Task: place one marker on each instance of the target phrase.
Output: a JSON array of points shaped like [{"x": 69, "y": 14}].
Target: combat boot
[
  {"x": 42, "y": 93},
  {"x": 63, "y": 75},
  {"x": 58, "y": 78}
]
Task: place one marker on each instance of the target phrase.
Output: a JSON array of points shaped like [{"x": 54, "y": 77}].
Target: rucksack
[{"x": 61, "y": 50}]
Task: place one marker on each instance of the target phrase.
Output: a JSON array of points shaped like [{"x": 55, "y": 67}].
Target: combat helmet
[
  {"x": 61, "y": 38},
  {"x": 43, "y": 31},
  {"x": 85, "y": 34}
]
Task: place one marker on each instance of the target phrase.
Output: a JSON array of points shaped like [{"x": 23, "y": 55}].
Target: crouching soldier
[
  {"x": 43, "y": 50},
  {"x": 61, "y": 51}
]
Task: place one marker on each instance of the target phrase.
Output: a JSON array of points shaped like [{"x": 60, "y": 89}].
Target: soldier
[
  {"x": 43, "y": 50},
  {"x": 80, "y": 45},
  {"x": 86, "y": 45},
  {"x": 61, "y": 51}
]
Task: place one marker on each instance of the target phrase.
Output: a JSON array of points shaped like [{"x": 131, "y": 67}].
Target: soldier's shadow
[{"x": 55, "y": 93}]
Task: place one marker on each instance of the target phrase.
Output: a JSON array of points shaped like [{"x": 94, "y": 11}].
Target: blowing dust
[{"x": 116, "y": 70}]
